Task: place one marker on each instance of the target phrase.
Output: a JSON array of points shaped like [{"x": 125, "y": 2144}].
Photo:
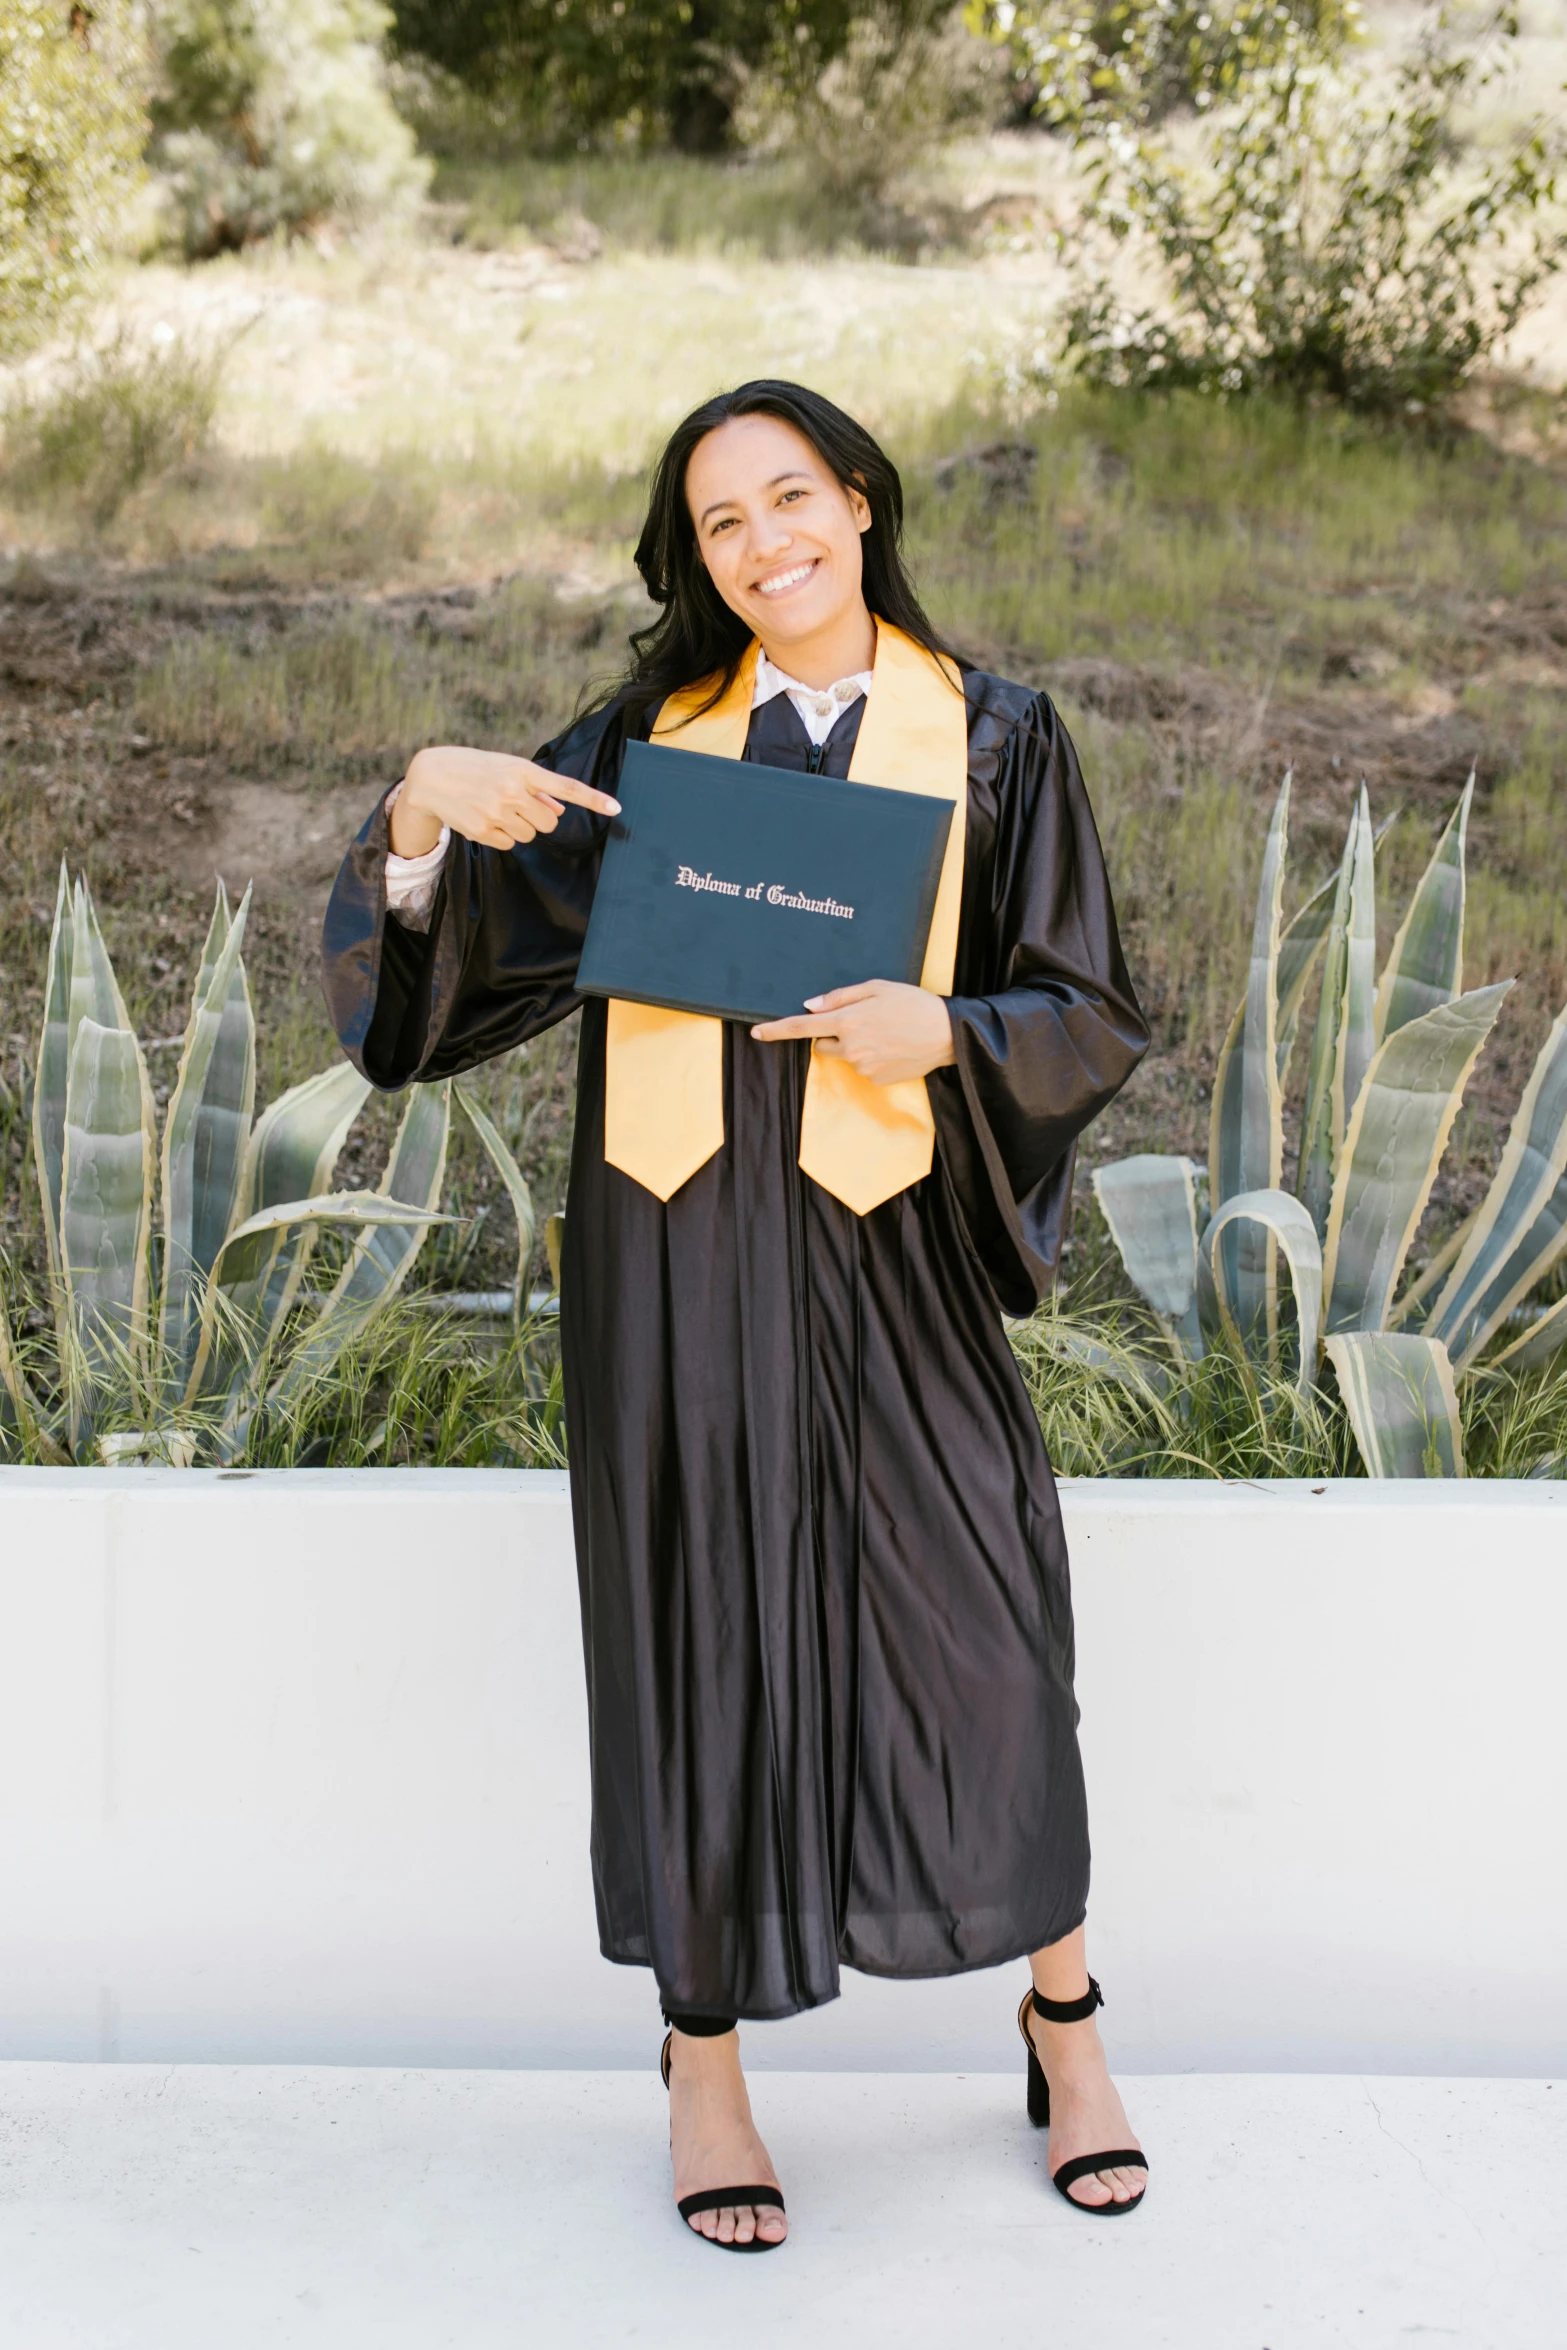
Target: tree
[
  {"x": 71, "y": 131},
  {"x": 275, "y": 114},
  {"x": 583, "y": 71}
]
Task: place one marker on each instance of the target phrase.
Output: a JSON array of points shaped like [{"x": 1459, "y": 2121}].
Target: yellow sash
[{"x": 663, "y": 1084}]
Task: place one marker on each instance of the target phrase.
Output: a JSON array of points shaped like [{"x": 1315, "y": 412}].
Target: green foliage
[
  {"x": 274, "y": 114},
  {"x": 900, "y": 84},
  {"x": 71, "y": 132},
  {"x": 1139, "y": 60},
  {"x": 1388, "y": 1070},
  {"x": 591, "y": 72},
  {"x": 192, "y": 1332},
  {"x": 1328, "y": 241},
  {"x": 118, "y": 417}
]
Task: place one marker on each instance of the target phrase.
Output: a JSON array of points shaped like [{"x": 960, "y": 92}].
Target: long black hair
[{"x": 696, "y": 635}]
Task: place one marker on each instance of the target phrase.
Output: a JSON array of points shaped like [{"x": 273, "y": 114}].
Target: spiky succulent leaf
[
  {"x": 53, "y": 1070},
  {"x": 1538, "y": 1343},
  {"x": 1356, "y": 1039},
  {"x": 1285, "y": 1220},
  {"x": 1415, "y": 1304},
  {"x": 1521, "y": 1227},
  {"x": 231, "y": 1331},
  {"x": 381, "y": 1261},
  {"x": 1425, "y": 966},
  {"x": 1301, "y": 944},
  {"x": 206, "y": 1135},
  {"x": 1150, "y": 1204},
  {"x": 1319, "y": 1139},
  {"x": 95, "y": 992},
  {"x": 105, "y": 1207},
  {"x": 517, "y": 1190},
  {"x": 293, "y": 1149},
  {"x": 1402, "y": 1404},
  {"x": 1246, "y": 1131},
  {"x": 1395, "y": 1141}
]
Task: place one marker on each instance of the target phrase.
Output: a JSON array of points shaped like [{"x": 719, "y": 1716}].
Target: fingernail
[{"x": 814, "y": 1003}]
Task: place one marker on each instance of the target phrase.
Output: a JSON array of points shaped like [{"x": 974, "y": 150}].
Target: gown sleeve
[
  {"x": 498, "y": 962},
  {"x": 1046, "y": 1027}
]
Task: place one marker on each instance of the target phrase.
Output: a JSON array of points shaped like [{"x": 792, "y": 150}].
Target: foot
[
  {"x": 1086, "y": 2112},
  {"x": 713, "y": 2140}
]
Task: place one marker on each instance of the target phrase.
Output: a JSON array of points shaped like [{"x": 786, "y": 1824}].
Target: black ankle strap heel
[
  {"x": 1083, "y": 2166},
  {"x": 719, "y": 2198}
]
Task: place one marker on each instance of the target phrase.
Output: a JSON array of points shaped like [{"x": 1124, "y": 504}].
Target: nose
[{"x": 770, "y": 538}]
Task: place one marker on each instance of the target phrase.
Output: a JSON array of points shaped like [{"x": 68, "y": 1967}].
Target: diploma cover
[{"x": 738, "y": 890}]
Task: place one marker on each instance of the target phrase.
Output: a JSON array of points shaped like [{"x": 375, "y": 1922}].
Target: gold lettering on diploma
[{"x": 773, "y": 892}]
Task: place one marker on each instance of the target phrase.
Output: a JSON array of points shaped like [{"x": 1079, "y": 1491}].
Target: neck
[{"x": 842, "y": 649}]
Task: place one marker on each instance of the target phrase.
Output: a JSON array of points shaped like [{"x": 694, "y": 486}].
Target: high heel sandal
[
  {"x": 722, "y": 2198},
  {"x": 1082, "y": 2166}
]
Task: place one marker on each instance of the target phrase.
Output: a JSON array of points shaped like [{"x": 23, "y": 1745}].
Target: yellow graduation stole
[{"x": 663, "y": 1081}]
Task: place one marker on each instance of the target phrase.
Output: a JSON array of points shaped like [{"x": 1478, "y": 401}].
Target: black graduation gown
[{"x": 825, "y": 1602}]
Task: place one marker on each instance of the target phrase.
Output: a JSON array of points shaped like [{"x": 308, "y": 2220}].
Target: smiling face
[{"x": 780, "y": 536}]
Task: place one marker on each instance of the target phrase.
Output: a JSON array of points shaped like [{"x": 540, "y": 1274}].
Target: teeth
[{"x": 786, "y": 579}]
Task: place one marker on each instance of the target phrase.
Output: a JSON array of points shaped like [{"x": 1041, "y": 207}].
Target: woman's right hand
[{"x": 487, "y": 796}]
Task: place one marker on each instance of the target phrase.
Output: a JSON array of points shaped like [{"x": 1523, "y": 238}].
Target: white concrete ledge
[{"x": 292, "y": 1770}]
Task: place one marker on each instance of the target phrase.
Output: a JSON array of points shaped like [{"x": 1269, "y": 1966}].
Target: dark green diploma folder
[{"x": 740, "y": 890}]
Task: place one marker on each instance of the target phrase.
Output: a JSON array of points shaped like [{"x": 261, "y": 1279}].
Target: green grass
[{"x": 665, "y": 204}]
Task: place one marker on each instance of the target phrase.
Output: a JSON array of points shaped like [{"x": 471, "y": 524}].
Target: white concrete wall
[{"x": 292, "y": 1767}]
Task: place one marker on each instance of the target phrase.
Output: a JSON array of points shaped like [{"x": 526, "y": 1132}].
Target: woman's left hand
[{"x": 883, "y": 1029}]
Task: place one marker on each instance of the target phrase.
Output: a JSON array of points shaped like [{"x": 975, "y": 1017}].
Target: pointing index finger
[{"x": 583, "y": 794}]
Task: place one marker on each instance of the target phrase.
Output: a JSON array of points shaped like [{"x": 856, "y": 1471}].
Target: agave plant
[
  {"x": 185, "y": 1313},
  {"x": 1388, "y": 1063}
]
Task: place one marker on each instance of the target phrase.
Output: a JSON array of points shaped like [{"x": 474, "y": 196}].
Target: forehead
[{"x": 744, "y": 455}]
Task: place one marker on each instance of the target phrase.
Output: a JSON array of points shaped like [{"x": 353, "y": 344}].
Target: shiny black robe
[{"x": 825, "y": 1601}]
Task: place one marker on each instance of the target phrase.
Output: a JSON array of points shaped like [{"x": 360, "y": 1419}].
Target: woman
[{"x": 825, "y": 1602}]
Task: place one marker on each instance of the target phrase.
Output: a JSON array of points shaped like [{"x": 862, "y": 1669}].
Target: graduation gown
[{"x": 825, "y": 1603}]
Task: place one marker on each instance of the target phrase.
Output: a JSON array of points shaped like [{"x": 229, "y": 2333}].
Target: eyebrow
[{"x": 795, "y": 473}]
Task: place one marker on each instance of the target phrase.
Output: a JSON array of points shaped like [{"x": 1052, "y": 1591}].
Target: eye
[
  {"x": 790, "y": 495},
  {"x": 725, "y": 522}
]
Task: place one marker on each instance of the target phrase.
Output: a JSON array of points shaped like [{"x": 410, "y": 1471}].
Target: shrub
[
  {"x": 274, "y": 114},
  {"x": 1140, "y": 60},
  {"x": 1328, "y": 242},
  {"x": 71, "y": 132},
  {"x": 900, "y": 83},
  {"x": 120, "y": 417}
]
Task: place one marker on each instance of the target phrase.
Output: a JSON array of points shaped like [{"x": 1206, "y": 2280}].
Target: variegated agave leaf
[
  {"x": 292, "y": 1152},
  {"x": 1150, "y": 1205},
  {"x": 49, "y": 1079},
  {"x": 1320, "y": 1137},
  {"x": 1355, "y": 1041},
  {"x": 1246, "y": 1132},
  {"x": 554, "y": 1243},
  {"x": 1286, "y": 1222},
  {"x": 1301, "y": 944},
  {"x": 95, "y": 992},
  {"x": 206, "y": 1135},
  {"x": 1415, "y": 1304},
  {"x": 1538, "y": 1343},
  {"x": 1521, "y": 1227},
  {"x": 383, "y": 1255},
  {"x": 516, "y": 1189},
  {"x": 105, "y": 1208},
  {"x": 1396, "y": 1138},
  {"x": 1425, "y": 966},
  {"x": 1402, "y": 1403}
]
